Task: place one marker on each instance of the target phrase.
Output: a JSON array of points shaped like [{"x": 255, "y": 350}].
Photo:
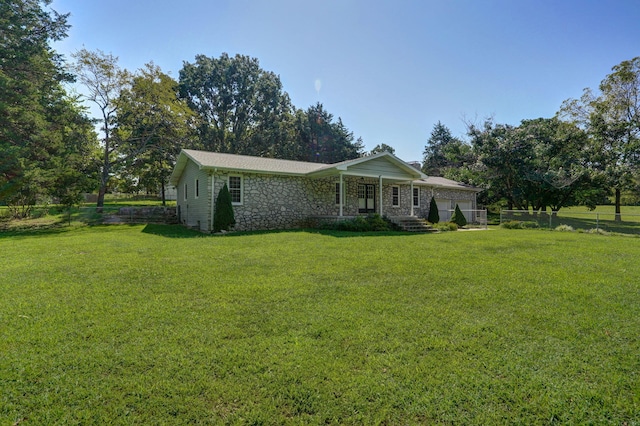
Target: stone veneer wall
[
  {"x": 282, "y": 202},
  {"x": 279, "y": 202}
]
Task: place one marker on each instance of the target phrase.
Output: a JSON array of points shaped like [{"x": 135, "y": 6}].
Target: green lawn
[
  {"x": 160, "y": 325},
  {"x": 603, "y": 217}
]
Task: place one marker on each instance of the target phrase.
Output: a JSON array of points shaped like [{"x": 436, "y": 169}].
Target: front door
[{"x": 366, "y": 198}]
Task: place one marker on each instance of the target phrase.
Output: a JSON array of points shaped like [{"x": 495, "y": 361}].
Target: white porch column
[
  {"x": 380, "y": 192},
  {"x": 341, "y": 194},
  {"x": 411, "y": 198}
]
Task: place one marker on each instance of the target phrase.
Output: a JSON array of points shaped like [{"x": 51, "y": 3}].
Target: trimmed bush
[
  {"x": 373, "y": 222},
  {"x": 598, "y": 231},
  {"x": 433, "y": 216},
  {"x": 517, "y": 224},
  {"x": 223, "y": 218},
  {"x": 458, "y": 218},
  {"x": 564, "y": 228},
  {"x": 447, "y": 226}
]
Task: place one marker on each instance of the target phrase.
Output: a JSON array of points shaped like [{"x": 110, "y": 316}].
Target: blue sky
[{"x": 390, "y": 69}]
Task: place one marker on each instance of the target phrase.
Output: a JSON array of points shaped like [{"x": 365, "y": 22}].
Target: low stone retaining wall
[{"x": 143, "y": 215}]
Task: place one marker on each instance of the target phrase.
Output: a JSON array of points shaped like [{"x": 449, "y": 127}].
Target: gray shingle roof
[
  {"x": 252, "y": 164},
  {"x": 245, "y": 163}
]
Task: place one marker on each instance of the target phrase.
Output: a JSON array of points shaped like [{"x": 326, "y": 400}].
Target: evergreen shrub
[
  {"x": 223, "y": 218},
  {"x": 433, "y": 216},
  {"x": 458, "y": 218}
]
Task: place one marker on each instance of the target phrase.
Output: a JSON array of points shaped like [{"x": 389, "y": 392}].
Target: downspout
[
  {"x": 380, "y": 197},
  {"x": 341, "y": 193},
  {"x": 213, "y": 199}
]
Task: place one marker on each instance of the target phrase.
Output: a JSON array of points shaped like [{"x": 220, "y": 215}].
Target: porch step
[{"x": 412, "y": 224}]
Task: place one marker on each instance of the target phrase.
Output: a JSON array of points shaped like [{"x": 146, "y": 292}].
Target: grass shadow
[
  {"x": 179, "y": 231},
  {"x": 37, "y": 231}
]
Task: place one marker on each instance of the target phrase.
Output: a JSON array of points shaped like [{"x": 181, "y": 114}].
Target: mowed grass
[
  {"x": 579, "y": 217},
  {"x": 159, "y": 325}
]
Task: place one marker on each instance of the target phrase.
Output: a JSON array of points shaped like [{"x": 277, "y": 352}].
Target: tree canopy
[
  {"x": 49, "y": 147},
  {"x": 45, "y": 136},
  {"x": 153, "y": 124},
  {"x": 541, "y": 163},
  {"x": 243, "y": 109},
  {"x": 612, "y": 120},
  {"x": 444, "y": 152}
]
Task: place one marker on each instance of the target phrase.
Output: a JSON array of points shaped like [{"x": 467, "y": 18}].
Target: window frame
[
  {"x": 395, "y": 198},
  {"x": 241, "y": 190},
  {"x": 415, "y": 196}
]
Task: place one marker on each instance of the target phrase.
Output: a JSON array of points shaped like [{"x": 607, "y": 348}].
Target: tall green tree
[
  {"x": 152, "y": 124},
  {"x": 323, "y": 140},
  {"x": 382, "y": 147},
  {"x": 104, "y": 81},
  {"x": 39, "y": 123},
  {"x": 445, "y": 153},
  {"x": 541, "y": 163},
  {"x": 242, "y": 108},
  {"x": 612, "y": 119},
  {"x": 558, "y": 170}
]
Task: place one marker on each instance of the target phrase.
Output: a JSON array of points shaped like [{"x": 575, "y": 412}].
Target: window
[
  {"x": 395, "y": 196},
  {"x": 185, "y": 192},
  {"x": 344, "y": 195},
  {"x": 197, "y": 188},
  {"x": 416, "y": 197},
  {"x": 235, "y": 189}
]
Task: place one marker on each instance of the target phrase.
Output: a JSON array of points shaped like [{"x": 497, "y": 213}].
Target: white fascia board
[{"x": 258, "y": 172}]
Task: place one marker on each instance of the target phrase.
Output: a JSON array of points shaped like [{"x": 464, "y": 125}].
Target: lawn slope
[{"x": 157, "y": 325}]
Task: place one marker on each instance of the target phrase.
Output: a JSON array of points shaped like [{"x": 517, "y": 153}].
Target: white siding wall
[{"x": 194, "y": 212}]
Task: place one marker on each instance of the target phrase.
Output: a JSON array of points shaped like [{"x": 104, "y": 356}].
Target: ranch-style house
[{"x": 269, "y": 193}]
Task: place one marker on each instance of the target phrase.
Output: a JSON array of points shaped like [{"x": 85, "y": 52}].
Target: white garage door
[
  {"x": 444, "y": 206},
  {"x": 465, "y": 206}
]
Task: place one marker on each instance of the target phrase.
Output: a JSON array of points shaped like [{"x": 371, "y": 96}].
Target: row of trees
[
  {"x": 590, "y": 149},
  {"x": 49, "y": 147},
  {"x": 226, "y": 104}
]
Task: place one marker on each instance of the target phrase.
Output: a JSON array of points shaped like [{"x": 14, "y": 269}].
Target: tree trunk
[
  {"x": 104, "y": 176},
  {"x": 101, "y": 191},
  {"x": 618, "y": 196},
  {"x": 164, "y": 202},
  {"x": 104, "y": 180}
]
